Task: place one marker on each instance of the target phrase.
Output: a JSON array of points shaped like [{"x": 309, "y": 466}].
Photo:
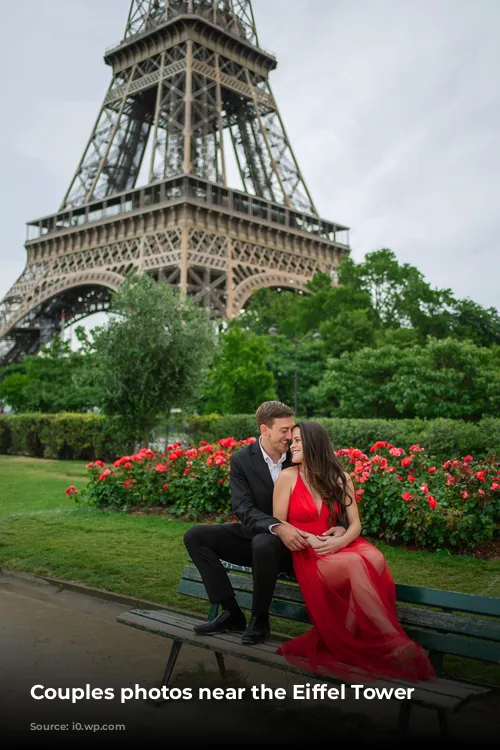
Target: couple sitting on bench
[{"x": 298, "y": 513}]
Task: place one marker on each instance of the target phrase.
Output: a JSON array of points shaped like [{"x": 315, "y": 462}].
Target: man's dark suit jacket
[{"x": 252, "y": 490}]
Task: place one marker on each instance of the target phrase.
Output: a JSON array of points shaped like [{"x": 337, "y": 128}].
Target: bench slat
[
  {"x": 481, "y": 605},
  {"x": 449, "y": 623},
  {"x": 278, "y": 608},
  {"x": 169, "y": 617},
  {"x": 471, "y": 603},
  {"x": 242, "y": 569},
  {"x": 287, "y": 591},
  {"x": 446, "y": 622},
  {"x": 455, "y": 644},
  {"x": 179, "y": 628},
  {"x": 448, "y": 644}
]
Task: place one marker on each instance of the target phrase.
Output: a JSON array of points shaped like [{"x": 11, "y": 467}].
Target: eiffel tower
[{"x": 189, "y": 91}]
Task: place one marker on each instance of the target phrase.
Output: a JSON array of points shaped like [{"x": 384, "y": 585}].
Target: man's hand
[
  {"x": 329, "y": 545},
  {"x": 294, "y": 539},
  {"x": 336, "y": 531}
]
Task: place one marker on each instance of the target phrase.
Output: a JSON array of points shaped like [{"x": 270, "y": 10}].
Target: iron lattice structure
[{"x": 190, "y": 88}]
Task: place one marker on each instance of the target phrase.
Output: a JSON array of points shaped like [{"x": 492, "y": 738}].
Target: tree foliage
[
  {"x": 308, "y": 359},
  {"x": 238, "y": 378},
  {"x": 49, "y": 382},
  {"x": 444, "y": 378},
  {"x": 381, "y": 314},
  {"x": 150, "y": 355},
  {"x": 391, "y": 346}
]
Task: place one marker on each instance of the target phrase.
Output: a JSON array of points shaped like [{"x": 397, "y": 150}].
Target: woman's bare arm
[
  {"x": 354, "y": 529},
  {"x": 281, "y": 497},
  {"x": 294, "y": 539},
  {"x": 330, "y": 544}
]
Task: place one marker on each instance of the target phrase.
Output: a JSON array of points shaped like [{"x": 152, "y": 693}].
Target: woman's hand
[
  {"x": 313, "y": 540},
  {"x": 336, "y": 531},
  {"x": 328, "y": 545}
]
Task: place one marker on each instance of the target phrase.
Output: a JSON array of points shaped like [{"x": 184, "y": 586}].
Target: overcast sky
[{"x": 392, "y": 108}]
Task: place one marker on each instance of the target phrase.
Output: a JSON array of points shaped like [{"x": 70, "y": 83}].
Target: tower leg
[{"x": 184, "y": 260}]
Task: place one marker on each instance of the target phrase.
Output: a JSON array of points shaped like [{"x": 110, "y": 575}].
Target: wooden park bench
[{"x": 442, "y": 622}]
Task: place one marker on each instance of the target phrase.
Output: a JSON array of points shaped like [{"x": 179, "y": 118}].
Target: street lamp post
[{"x": 274, "y": 331}]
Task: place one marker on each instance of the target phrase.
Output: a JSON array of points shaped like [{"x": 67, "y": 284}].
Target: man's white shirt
[{"x": 274, "y": 470}]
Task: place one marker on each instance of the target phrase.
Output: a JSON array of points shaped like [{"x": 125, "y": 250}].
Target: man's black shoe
[
  {"x": 257, "y": 632},
  {"x": 223, "y": 623}
]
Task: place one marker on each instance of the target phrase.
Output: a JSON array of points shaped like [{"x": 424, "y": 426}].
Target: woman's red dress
[{"x": 350, "y": 598}]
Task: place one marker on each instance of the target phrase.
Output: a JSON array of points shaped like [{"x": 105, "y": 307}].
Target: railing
[
  {"x": 154, "y": 23},
  {"x": 187, "y": 188}
]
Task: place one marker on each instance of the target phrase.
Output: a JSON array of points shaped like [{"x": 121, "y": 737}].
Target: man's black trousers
[{"x": 264, "y": 553}]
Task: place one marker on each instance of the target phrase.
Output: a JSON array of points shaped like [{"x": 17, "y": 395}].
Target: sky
[{"x": 392, "y": 108}]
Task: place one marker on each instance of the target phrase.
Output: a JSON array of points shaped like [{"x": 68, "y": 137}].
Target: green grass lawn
[{"x": 45, "y": 533}]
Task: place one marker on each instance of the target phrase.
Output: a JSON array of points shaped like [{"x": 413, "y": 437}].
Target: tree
[
  {"x": 400, "y": 297},
  {"x": 343, "y": 315},
  {"x": 238, "y": 379},
  {"x": 48, "y": 382},
  {"x": 268, "y": 308},
  {"x": 379, "y": 303},
  {"x": 445, "y": 378},
  {"x": 357, "y": 385},
  {"x": 311, "y": 362},
  {"x": 14, "y": 389},
  {"x": 150, "y": 355},
  {"x": 448, "y": 378},
  {"x": 475, "y": 323}
]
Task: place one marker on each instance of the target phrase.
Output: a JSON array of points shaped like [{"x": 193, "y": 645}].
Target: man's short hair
[{"x": 271, "y": 410}]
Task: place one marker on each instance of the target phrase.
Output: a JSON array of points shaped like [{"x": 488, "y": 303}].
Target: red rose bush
[
  {"x": 191, "y": 482},
  {"x": 409, "y": 498},
  {"x": 405, "y": 496}
]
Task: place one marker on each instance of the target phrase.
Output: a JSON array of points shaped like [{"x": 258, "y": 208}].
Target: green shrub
[
  {"x": 24, "y": 434},
  {"x": 490, "y": 431},
  {"x": 214, "y": 427},
  {"x": 92, "y": 436},
  {"x": 445, "y": 437},
  {"x": 63, "y": 436},
  {"x": 361, "y": 433},
  {"x": 5, "y": 435},
  {"x": 202, "y": 426},
  {"x": 441, "y": 437}
]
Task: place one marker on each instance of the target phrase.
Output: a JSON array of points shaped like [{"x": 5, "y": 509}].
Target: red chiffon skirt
[{"x": 350, "y": 598}]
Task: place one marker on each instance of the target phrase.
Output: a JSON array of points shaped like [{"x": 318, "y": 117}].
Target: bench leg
[
  {"x": 443, "y": 722},
  {"x": 169, "y": 668},
  {"x": 404, "y": 718},
  {"x": 172, "y": 658},
  {"x": 220, "y": 663},
  {"x": 213, "y": 611},
  {"x": 436, "y": 658}
]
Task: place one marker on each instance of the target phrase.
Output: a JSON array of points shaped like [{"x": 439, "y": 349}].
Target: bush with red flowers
[
  {"x": 192, "y": 482},
  {"x": 405, "y": 497},
  {"x": 409, "y": 498}
]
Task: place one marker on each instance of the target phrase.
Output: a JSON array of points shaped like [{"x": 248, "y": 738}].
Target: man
[{"x": 258, "y": 541}]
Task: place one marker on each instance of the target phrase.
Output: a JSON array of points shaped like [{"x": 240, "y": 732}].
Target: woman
[{"x": 348, "y": 590}]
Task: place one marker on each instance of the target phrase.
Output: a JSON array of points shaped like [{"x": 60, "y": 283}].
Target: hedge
[
  {"x": 440, "y": 437},
  {"x": 91, "y": 436},
  {"x": 83, "y": 437}
]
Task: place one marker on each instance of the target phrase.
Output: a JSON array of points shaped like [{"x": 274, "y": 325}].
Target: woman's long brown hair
[{"x": 323, "y": 471}]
